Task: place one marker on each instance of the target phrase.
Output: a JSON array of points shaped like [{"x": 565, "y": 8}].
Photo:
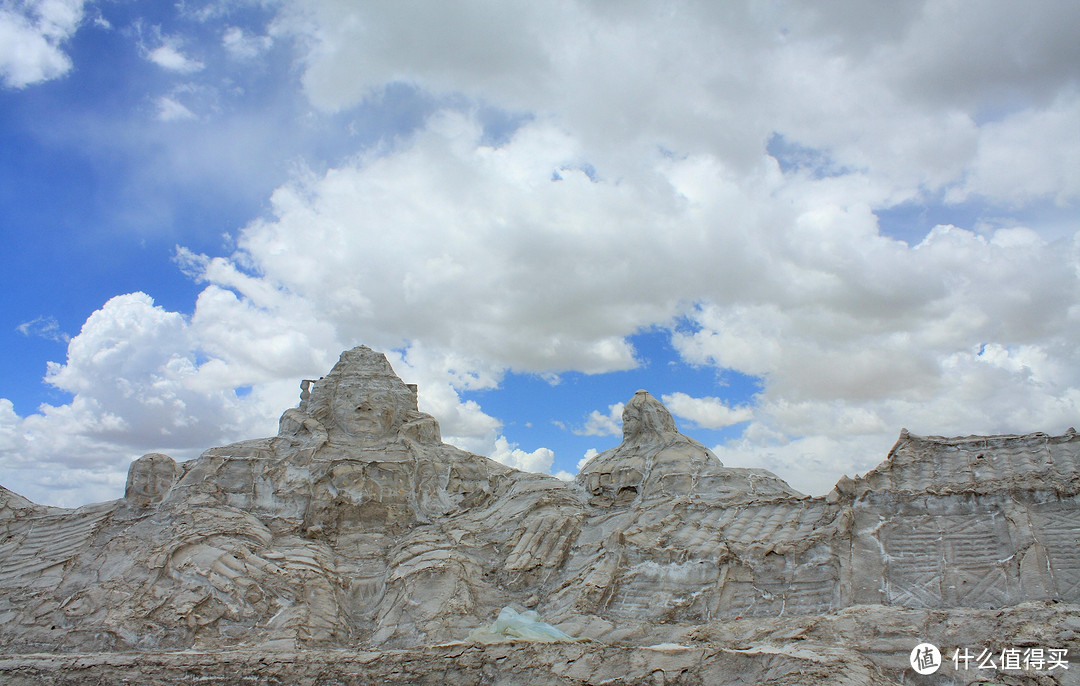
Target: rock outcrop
[{"x": 357, "y": 529}]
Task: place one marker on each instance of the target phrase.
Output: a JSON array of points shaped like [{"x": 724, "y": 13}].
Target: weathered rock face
[
  {"x": 973, "y": 522},
  {"x": 655, "y": 462},
  {"x": 356, "y": 527}
]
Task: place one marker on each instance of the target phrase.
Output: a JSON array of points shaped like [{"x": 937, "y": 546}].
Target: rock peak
[
  {"x": 655, "y": 460},
  {"x": 646, "y": 419},
  {"x": 652, "y": 457},
  {"x": 360, "y": 397}
]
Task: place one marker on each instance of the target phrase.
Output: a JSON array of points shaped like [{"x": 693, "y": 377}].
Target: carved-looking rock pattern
[{"x": 356, "y": 526}]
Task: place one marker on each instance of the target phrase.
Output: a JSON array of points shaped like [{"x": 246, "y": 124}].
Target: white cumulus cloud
[
  {"x": 32, "y": 34},
  {"x": 169, "y": 56},
  {"x": 131, "y": 372},
  {"x": 708, "y": 412},
  {"x": 724, "y": 170},
  {"x": 603, "y": 423},
  {"x": 539, "y": 460}
]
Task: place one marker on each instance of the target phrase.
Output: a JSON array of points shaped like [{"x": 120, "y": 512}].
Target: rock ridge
[{"x": 357, "y": 528}]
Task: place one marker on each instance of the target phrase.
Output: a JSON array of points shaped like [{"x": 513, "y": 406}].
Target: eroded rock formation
[{"x": 357, "y": 528}]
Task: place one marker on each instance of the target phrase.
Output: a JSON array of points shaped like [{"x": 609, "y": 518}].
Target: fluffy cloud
[
  {"x": 31, "y": 35},
  {"x": 978, "y": 342},
  {"x": 144, "y": 379},
  {"x": 539, "y": 460},
  {"x": 894, "y": 92},
  {"x": 721, "y": 170},
  {"x": 1028, "y": 155},
  {"x": 708, "y": 413},
  {"x": 601, "y": 424},
  {"x": 487, "y": 253},
  {"x": 519, "y": 257},
  {"x": 168, "y": 56},
  {"x": 130, "y": 372}
]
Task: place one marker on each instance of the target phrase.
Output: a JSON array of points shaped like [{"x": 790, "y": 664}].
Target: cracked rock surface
[{"x": 356, "y": 545}]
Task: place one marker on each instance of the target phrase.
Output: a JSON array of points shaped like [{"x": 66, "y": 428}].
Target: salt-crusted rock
[
  {"x": 150, "y": 478},
  {"x": 655, "y": 461},
  {"x": 356, "y": 528}
]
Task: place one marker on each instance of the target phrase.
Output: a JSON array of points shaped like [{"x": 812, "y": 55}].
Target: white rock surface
[{"x": 356, "y": 540}]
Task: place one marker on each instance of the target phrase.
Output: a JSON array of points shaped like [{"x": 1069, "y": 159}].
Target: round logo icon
[{"x": 925, "y": 658}]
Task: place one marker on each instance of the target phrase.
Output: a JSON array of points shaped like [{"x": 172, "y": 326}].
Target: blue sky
[{"x": 802, "y": 225}]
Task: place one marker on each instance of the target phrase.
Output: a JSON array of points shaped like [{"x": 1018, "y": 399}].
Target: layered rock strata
[{"x": 357, "y": 528}]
